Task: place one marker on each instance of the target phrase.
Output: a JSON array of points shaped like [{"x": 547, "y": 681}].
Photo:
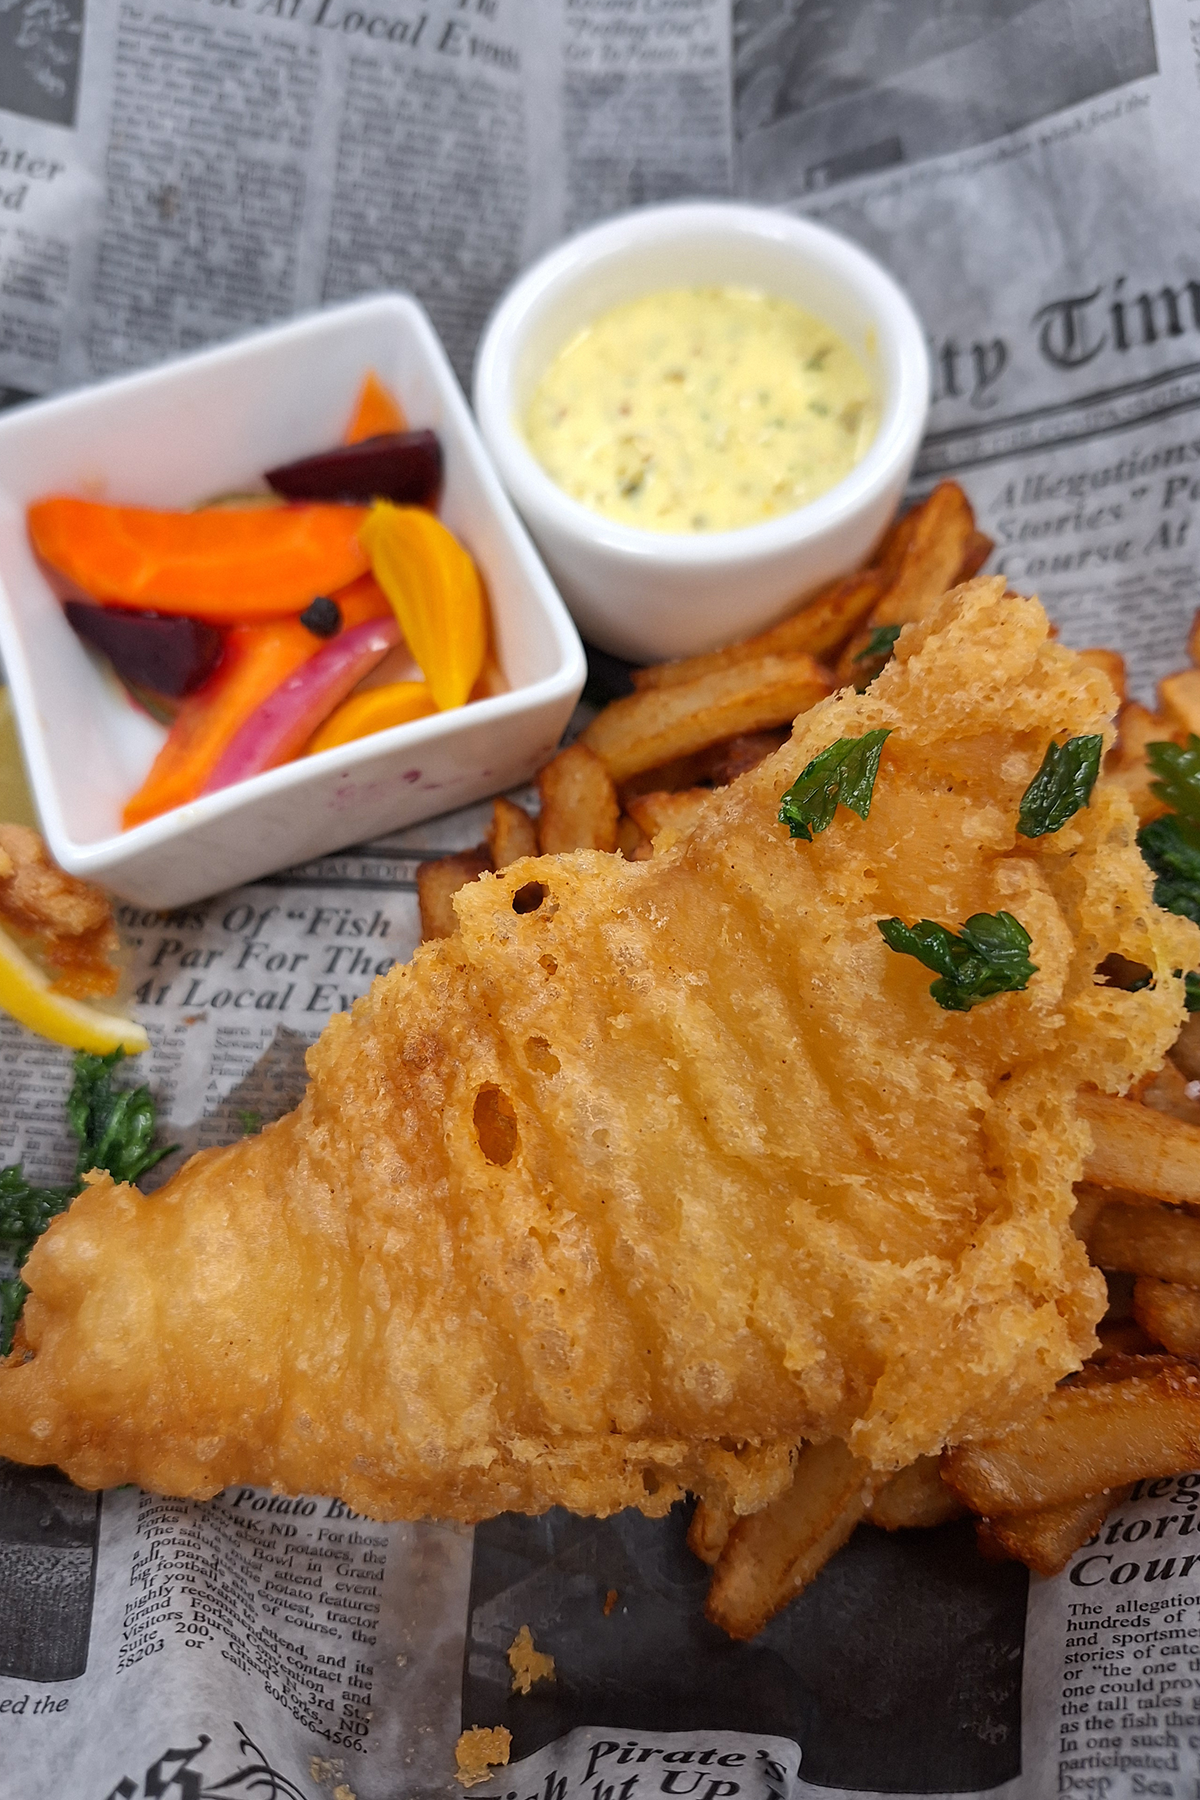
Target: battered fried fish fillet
[{"x": 655, "y": 1168}]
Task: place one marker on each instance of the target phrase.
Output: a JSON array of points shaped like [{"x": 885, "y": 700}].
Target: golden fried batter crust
[
  {"x": 68, "y": 921},
  {"x": 628, "y": 1193}
]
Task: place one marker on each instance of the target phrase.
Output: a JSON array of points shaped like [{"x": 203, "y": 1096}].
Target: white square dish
[{"x": 211, "y": 423}]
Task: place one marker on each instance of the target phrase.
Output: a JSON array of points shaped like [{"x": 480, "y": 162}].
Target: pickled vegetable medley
[{"x": 264, "y": 627}]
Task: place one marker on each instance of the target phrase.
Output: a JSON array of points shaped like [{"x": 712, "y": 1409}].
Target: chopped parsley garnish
[
  {"x": 1171, "y": 846},
  {"x": 1062, "y": 786},
  {"x": 988, "y": 956},
  {"x": 881, "y": 643},
  {"x": 1171, "y": 843},
  {"x": 1178, "y": 771},
  {"x": 842, "y": 775},
  {"x": 877, "y": 651},
  {"x": 114, "y": 1127}
]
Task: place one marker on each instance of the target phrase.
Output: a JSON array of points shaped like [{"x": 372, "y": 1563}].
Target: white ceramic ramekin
[
  {"x": 207, "y": 424},
  {"x": 648, "y": 594}
]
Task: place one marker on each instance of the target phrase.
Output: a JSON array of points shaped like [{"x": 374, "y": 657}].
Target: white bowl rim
[
  {"x": 97, "y": 856},
  {"x": 901, "y": 423}
]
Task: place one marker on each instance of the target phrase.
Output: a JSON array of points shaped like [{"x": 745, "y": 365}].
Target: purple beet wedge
[{"x": 402, "y": 466}]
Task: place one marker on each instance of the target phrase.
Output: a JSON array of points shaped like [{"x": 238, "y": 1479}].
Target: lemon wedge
[{"x": 25, "y": 993}]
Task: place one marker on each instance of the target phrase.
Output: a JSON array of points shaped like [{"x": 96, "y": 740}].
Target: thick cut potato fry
[
  {"x": 650, "y": 728},
  {"x": 930, "y": 551},
  {"x": 1147, "y": 1240},
  {"x": 660, "y": 812},
  {"x": 715, "y": 766},
  {"x": 943, "y": 530},
  {"x": 579, "y": 803},
  {"x": 1168, "y": 1092},
  {"x": 915, "y": 1499},
  {"x": 1185, "y": 1051},
  {"x": 1046, "y": 1540},
  {"x": 708, "y": 1533},
  {"x": 889, "y": 552},
  {"x": 979, "y": 548},
  {"x": 1144, "y": 1151},
  {"x": 1088, "y": 1437},
  {"x": 1123, "y": 1337},
  {"x": 823, "y": 624},
  {"x": 1112, "y": 664},
  {"x": 1126, "y": 761},
  {"x": 1168, "y": 1313},
  {"x": 774, "y": 1553},
  {"x": 437, "y": 884},
  {"x": 1179, "y": 701},
  {"x": 512, "y": 833},
  {"x": 632, "y": 841}
]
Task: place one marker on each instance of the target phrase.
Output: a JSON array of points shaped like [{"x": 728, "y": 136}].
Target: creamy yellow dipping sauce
[{"x": 702, "y": 409}]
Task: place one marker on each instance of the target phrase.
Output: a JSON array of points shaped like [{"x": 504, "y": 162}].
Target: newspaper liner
[{"x": 172, "y": 174}]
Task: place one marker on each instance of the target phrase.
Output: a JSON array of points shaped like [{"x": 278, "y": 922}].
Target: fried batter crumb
[
  {"x": 342, "y": 1792},
  {"x": 68, "y": 922},
  {"x": 479, "y": 1751},
  {"x": 610, "y": 1601},
  {"x": 527, "y": 1664},
  {"x": 324, "y": 1768}
]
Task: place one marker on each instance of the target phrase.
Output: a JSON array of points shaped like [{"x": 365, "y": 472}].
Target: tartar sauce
[{"x": 702, "y": 409}]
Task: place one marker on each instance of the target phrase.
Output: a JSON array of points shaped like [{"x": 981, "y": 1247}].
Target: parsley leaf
[
  {"x": 1171, "y": 846},
  {"x": 844, "y": 774},
  {"x": 1178, "y": 771},
  {"x": 878, "y": 650},
  {"x": 988, "y": 956},
  {"x": 881, "y": 642},
  {"x": 12, "y": 1298},
  {"x": 1062, "y": 786},
  {"x": 25, "y": 1212},
  {"x": 114, "y": 1127}
]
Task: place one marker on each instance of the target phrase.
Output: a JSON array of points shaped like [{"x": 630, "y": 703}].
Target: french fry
[
  {"x": 921, "y": 559},
  {"x": 1112, "y": 664},
  {"x": 1167, "y": 1092},
  {"x": 1046, "y": 1540},
  {"x": 647, "y": 729},
  {"x": 774, "y": 1553},
  {"x": 822, "y": 624},
  {"x": 891, "y": 548},
  {"x": 1168, "y": 1313},
  {"x": 437, "y": 884},
  {"x": 1185, "y": 1051},
  {"x": 915, "y": 1499},
  {"x": 1126, "y": 761},
  {"x": 1147, "y": 1240},
  {"x": 716, "y": 765},
  {"x": 632, "y": 841},
  {"x": 943, "y": 530},
  {"x": 1179, "y": 701},
  {"x": 1144, "y": 1151},
  {"x": 1089, "y": 1436},
  {"x": 579, "y": 803},
  {"x": 1123, "y": 1337},
  {"x": 979, "y": 548},
  {"x": 511, "y": 834},
  {"x": 656, "y": 812},
  {"x": 709, "y": 1530}
]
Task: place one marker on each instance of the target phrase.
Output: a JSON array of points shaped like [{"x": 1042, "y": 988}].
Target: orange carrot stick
[
  {"x": 228, "y": 566},
  {"x": 376, "y": 411},
  {"x": 257, "y": 659}
]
